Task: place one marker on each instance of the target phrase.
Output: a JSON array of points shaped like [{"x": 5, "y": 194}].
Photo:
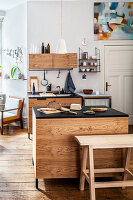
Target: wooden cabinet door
[
  {"x": 46, "y": 61},
  {"x": 72, "y": 60},
  {"x": 68, "y": 60},
  {"x": 60, "y": 61},
  {"x": 40, "y": 61}
]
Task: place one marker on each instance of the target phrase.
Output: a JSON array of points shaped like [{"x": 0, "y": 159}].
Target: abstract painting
[{"x": 113, "y": 21}]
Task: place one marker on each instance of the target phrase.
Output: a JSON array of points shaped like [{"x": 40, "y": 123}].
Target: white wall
[
  {"x": 40, "y": 21},
  {"x": 14, "y": 35},
  {"x": 0, "y": 54},
  {"x": 44, "y": 26}
]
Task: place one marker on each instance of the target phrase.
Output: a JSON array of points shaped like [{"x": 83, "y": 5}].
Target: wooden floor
[{"x": 17, "y": 175}]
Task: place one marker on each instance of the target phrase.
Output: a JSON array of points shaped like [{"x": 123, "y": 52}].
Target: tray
[{"x": 99, "y": 109}]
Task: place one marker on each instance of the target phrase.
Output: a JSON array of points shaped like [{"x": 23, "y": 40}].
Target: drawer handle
[{"x": 41, "y": 98}]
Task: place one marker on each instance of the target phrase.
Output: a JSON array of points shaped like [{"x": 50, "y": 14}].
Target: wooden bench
[{"x": 91, "y": 142}]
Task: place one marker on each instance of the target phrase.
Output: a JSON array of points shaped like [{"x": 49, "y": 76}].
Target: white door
[{"x": 119, "y": 77}]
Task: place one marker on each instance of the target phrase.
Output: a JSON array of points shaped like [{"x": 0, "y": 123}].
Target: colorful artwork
[{"x": 113, "y": 21}]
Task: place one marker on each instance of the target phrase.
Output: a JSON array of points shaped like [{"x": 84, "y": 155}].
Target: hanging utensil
[{"x": 44, "y": 82}]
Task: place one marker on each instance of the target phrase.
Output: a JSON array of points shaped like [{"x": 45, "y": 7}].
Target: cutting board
[
  {"x": 54, "y": 111},
  {"x": 51, "y": 111}
]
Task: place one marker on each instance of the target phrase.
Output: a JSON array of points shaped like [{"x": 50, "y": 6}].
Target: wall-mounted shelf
[
  {"x": 91, "y": 64},
  {"x": 88, "y": 65},
  {"x": 15, "y": 79},
  {"x": 89, "y": 59},
  {"x": 89, "y": 71},
  {"x": 58, "y": 69}
]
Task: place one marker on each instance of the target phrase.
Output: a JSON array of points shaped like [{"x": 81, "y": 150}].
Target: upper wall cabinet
[
  {"x": 52, "y": 61},
  {"x": 40, "y": 61}
]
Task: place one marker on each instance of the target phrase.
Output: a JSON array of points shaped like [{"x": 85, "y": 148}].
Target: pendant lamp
[{"x": 61, "y": 46}]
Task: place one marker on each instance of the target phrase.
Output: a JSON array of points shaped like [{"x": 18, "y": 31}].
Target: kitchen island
[
  {"x": 56, "y": 153},
  {"x": 37, "y": 100}
]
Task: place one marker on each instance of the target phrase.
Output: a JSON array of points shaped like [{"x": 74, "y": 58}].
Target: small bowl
[
  {"x": 87, "y": 70},
  {"x": 94, "y": 57},
  {"x": 87, "y": 91}
]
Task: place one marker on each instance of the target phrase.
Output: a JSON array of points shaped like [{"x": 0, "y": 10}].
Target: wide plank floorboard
[{"x": 17, "y": 180}]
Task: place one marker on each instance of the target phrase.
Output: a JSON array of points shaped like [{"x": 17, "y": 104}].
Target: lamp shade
[{"x": 61, "y": 46}]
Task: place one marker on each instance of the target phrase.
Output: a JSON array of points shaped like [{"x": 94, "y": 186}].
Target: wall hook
[{"x": 58, "y": 74}]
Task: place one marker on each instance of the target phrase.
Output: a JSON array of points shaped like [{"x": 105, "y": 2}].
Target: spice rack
[{"x": 89, "y": 64}]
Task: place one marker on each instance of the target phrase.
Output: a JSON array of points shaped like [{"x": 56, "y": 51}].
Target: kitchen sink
[{"x": 63, "y": 95}]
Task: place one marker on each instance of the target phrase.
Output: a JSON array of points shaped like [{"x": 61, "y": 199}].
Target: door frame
[{"x": 102, "y": 50}]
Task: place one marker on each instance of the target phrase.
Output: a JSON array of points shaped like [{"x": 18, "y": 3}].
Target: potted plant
[{"x": 13, "y": 71}]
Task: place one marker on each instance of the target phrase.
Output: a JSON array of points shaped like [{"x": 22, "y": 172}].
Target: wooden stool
[{"x": 103, "y": 142}]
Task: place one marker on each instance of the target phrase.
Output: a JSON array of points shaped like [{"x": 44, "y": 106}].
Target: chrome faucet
[{"x": 58, "y": 87}]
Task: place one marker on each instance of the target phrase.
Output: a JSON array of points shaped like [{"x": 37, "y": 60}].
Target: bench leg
[
  {"x": 91, "y": 174},
  {"x": 21, "y": 123},
  {"x": 128, "y": 154},
  {"x": 36, "y": 183},
  {"x": 32, "y": 161},
  {"x": 29, "y": 136},
  {"x": 1, "y": 129},
  {"x": 83, "y": 167}
]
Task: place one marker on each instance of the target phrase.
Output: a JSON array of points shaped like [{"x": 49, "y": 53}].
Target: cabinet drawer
[
  {"x": 62, "y": 101},
  {"x": 68, "y": 101},
  {"x": 36, "y": 102}
]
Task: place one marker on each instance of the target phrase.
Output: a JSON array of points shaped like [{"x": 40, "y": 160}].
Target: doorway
[{"x": 118, "y": 62}]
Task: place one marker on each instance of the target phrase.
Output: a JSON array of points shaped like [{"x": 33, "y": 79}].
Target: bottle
[
  {"x": 62, "y": 91},
  {"x": 33, "y": 89},
  {"x": 48, "y": 48},
  {"x": 42, "y": 48}
]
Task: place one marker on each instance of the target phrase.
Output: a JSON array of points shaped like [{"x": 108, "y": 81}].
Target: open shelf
[
  {"x": 89, "y": 66},
  {"x": 91, "y": 63},
  {"x": 90, "y": 59},
  {"x": 89, "y": 71},
  {"x": 15, "y": 79}
]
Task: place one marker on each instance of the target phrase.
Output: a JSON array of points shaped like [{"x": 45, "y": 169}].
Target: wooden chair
[
  {"x": 89, "y": 143},
  {"x": 12, "y": 111}
]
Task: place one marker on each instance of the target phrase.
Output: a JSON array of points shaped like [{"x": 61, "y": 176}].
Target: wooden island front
[{"x": 55, "y": 151}]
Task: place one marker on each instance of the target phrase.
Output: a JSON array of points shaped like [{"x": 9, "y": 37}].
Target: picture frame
[{"x": 113, "y": 20}]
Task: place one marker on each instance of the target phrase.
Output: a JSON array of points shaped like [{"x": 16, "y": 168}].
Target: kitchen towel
[{"x": 69, "y": 85}]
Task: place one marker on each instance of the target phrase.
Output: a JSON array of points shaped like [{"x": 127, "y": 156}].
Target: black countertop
[
  {"x": 109, "y": 113},
  {"x": 37, "y": 96}
]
